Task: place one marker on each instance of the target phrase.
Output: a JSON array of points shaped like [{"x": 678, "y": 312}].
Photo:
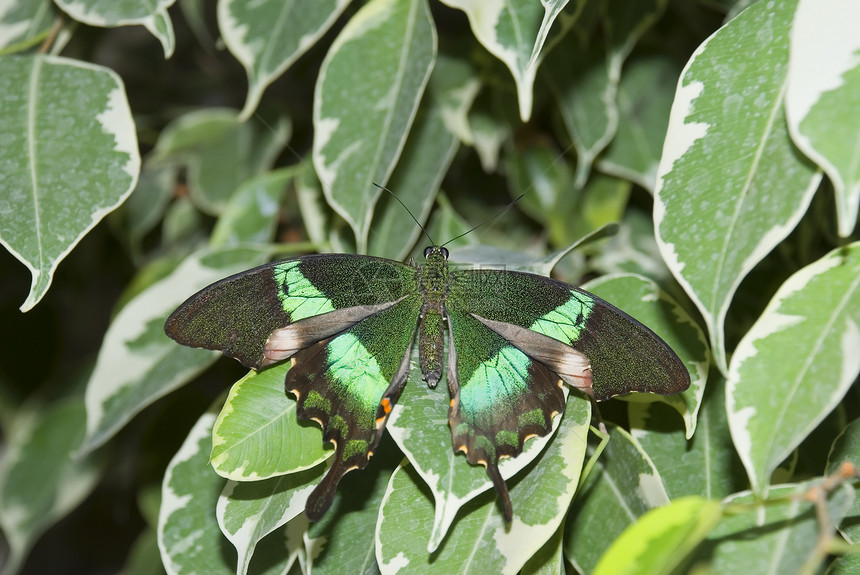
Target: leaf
[
  {"x": 151, "y": 15},
  {"x": 515, "y": 33},
  {"x": 479, "y": 540},
  {"x": 251, "y": 213},
  {"x": 454, "y": 85},
  {"x": 257, "y": 434},
  {"x": 780, "y": 537},
  {"x": 644, "y": 100},
  {"x": 622, "y": 486},
  {"x": 726, "y": 152},
  {"x": 426, "y": 158},
  {"x": 662, "y": 538},
  {"x": 846, "y": 449},
  {"x": 219, "y": 152},
  {"x": 249, "y": 511},
  {"x": 25, "y": 24},
  {"x": 146, "y": 206},
  {"x": 796, "y": 363},
  {"x": 707, "y": 464},
  {"x": 40, "y": 480},
  {"x": 362, "y": 116},
  {"x": 645, "y": 301},
  {"x": 70, "y": 158},
  {"x": 452, "y": 481},
  {"x": 583, "y": 73},
  {"x": 137, "y": 362},
  {"x": 823, "y": 90},
  {"x": 188, "y": 534},
  {"x": 267, "y": 37}
]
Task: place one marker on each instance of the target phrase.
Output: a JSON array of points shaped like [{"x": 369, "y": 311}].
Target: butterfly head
[{"x": 435, "y": 254}]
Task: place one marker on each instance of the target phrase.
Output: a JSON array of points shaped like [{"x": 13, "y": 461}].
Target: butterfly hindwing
[
  {"x": 349, "y": 383},
  {"x": 499, "y": 397}
]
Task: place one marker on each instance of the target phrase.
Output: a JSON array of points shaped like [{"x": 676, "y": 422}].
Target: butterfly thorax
[{"x": 433, "y": 285}]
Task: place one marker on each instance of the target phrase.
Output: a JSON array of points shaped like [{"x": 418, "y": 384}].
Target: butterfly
[{"x": 348, "y": 324}]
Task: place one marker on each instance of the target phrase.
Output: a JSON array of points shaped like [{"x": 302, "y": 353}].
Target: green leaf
[
  {"x": 250, "y": 214},
  {"x": 515, "y": 33},
  {"x": 24, "y": 24},
  {"x": 727, "y": 149},
  {"x": 479, "y": 540},
  {"x": 151, "y": 15},
  {"x": 188, "y": 534},
  {"x": 362, "y": 115},
  {"x": 623, "y": 485},
  {"x": 704, "y": 465},
  {"x": 846, "y": 449},
  {"x": 584, "y": 70},
  {"x": 549, "y": 560},
  {"x": 780, "y": 537},
  {"x": 416, "y": 180},
  {"x": 796, "y": 363},
  {"x": 257, "y": 434},
  {"x": 454, "y": 85},
  {"x": 41, "y": 481},
  {"x": 642, "y": 299},
  {"x": 146, "y": 206},
  {"x": 219, "y": 152},
  {"x": 644, "y": 100},
  {"x": 824, "y": 89},
  {"x": 137, "y": 362},
  {"x": 267, "y": 37},
  {"x": 70, "y": 157},
  {"x": 452, "y": 481},
  {"x": 662, "y": 538},
  {"x": 249, "y": 511}
]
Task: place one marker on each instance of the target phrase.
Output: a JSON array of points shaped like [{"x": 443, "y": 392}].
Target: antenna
[
  {"x": 469, "y": 231},
  {"x": 383, "y": 188}
]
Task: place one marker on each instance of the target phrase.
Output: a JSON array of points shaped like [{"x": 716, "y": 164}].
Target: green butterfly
[{"x": 348, "y": 324}]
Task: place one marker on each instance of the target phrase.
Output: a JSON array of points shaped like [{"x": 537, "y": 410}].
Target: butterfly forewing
[{"x": 238, "y": 314}]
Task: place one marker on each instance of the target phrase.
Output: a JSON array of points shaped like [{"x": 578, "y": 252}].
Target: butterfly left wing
[
  {"x": 346, "y": 321},
  {"x": 516, "y": 336}
]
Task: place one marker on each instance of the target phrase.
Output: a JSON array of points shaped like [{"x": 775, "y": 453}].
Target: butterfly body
[{"x": 348, "y": 324}]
